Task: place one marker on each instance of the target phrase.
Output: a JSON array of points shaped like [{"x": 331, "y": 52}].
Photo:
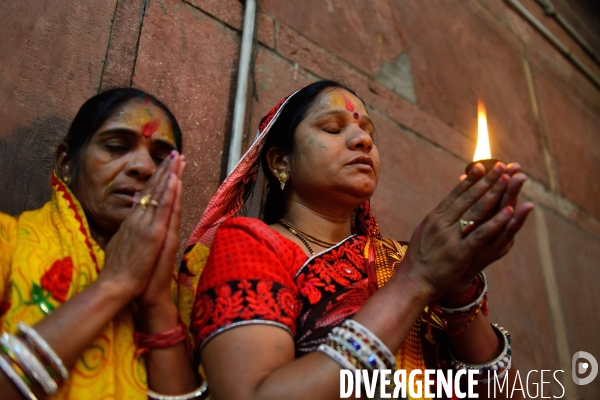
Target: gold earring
[
  {"x": 66, "y": 180},
  {"x": 282, "y": 179}
]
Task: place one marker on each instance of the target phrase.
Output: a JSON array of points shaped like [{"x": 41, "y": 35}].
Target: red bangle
[{"x": 166, "y": 338}]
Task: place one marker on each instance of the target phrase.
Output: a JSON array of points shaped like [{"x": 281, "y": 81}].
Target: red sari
[{"x": 237, "y": 271}]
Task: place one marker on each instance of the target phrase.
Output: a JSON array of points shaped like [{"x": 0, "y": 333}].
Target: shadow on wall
[{"x": 26, "y": 162}]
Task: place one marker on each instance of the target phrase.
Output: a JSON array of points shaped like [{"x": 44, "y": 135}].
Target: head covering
[{"x": 244, "y": 191}]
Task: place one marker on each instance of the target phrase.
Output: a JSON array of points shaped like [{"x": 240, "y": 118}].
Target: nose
[
  {"x": 140, "y": 165},
  {"x": 360, "y": 140}
]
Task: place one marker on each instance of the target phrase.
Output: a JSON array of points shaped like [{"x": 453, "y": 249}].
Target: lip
[
  {"x": 126, "y": 193},
  {"x": 362, "y": 159}
]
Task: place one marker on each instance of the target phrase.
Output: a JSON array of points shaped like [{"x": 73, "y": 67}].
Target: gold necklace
[{"x": 304, "y": 237}]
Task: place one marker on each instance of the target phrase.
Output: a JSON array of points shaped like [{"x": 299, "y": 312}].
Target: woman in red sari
[{"x": 299, "y": 282}]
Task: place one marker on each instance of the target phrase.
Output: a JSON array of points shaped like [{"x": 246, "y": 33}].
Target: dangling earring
[
  {"x": 282, "y": 179},
  {"x": 67, "y": 180}
]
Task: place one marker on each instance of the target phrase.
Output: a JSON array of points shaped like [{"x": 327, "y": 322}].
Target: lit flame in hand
[{"x": 482, "y": 151}]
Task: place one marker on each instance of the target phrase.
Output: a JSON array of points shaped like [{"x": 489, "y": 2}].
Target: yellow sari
[{"x": 48, "y": 256}]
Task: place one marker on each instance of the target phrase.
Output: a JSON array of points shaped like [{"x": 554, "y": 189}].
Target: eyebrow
[
  {"x": 133, "y": 134},
  {"x": 341, "y": 112}
]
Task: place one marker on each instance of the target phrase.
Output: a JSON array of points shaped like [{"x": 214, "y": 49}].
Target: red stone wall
[{"x": 419, "y": 65}]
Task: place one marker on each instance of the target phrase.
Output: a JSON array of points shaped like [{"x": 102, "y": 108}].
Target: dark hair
[
  {"x": 282, "y": 135},
  {"x": 94, "y": 112}
]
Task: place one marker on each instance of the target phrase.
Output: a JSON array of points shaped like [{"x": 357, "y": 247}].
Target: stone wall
[{"x": 419, "y": 65}]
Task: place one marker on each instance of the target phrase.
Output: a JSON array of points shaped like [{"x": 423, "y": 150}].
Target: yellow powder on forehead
[{"x": 149, "y": 120}]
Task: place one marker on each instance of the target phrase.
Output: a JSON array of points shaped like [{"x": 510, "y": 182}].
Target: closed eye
[{"x": 112, "y": 148}]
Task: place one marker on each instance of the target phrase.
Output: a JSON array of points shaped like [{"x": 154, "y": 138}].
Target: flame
[{"x": 482, "y": 151}]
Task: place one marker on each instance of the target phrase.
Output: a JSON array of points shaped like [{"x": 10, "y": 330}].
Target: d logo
[{"x": 582, "y": 367}]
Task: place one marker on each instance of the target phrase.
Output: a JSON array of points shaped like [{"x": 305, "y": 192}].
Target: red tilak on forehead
[
  {"x": 348, "y": 104},
  {"x": 150, "y": 127}
]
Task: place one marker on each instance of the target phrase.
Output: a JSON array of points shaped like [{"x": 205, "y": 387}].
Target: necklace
[{"x": 304, "y": 237}]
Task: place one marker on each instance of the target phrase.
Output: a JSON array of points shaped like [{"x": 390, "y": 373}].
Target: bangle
[
  {"x": 166, "y": 338},
  {"x": 337, "y": 356},
  {"x": 358, "y": 349},
  {"x": 15, "y": 378},
  {"x": 23, "y": 357},
  {"x": 196, "y": 394},
  {"x": 469, "y": 308},
  {"x": 43, "y": 350},
  {"x": 501, "y": 363},
  {"x": 372, "y": 341}
]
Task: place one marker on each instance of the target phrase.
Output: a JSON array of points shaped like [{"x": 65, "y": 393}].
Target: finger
[
  {"x": 522, "y": 212},
  {"x": 172, "y": 241},
  {"x": 484, "y": 206},
  {"x": 163, "y": 179},
  {"x": 165, "y": 205},
  {"x": 513, "y": 189},
  {"x": 180, "y": 166},
  {"x": 462, "y": 177},
  {"x": 513, "y": 168},
  {"x": 158, "y": 175},
  {"x": 473, "y": 193},
  {"x": 474, "y": 175},
  {"x": 486, "y": 232},
  {"x": 503, "y": 242}
]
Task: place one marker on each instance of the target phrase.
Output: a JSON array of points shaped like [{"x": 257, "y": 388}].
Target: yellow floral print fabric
[{"x": 48, "y": 256}]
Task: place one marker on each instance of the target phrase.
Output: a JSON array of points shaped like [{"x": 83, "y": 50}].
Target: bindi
[
  {"x": 150, "y": 127},
  {"x": 355, "y": 115}
]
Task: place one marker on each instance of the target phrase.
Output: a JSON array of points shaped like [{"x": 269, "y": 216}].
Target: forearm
[
  {"x": 64, "y": 331},
  {"x": 169, "y": 369},
  {"x": 96, "y": 305},
  {"x": 480, "y": 344}
]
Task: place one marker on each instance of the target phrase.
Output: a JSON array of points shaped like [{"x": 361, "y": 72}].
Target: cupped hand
[
  {"x": 500, "y": 245},
  {"x": 132, "y": 252},
  {"x": 440, "y": 253}
]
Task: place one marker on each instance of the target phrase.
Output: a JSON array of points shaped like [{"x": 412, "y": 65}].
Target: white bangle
[
  {"x": 196, "y": 394},
  {"x": 357, "y": 327},
  {"x": 501, "y": 363},
  {"x": 28, "y": 362},
  {"x": 43, "y": 349},
  {"x": 16, "y": 378},
  {"x": 472, "y": 306},
  {"x": 359, "y": 349},
  {"x": 336, "y": 356}
]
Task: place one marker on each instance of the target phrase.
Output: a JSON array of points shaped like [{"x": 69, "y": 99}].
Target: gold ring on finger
[{"x": 466, "y": 226}]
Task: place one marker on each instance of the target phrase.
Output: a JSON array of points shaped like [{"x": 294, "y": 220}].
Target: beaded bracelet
[
  {"x": 23, "y": 357},
  {"x": 501, "y": 363},
  {"x": 43, "y": 349},
  {"x": 345, "y": 352},
  {"x": 359, "y": 350},
  {"x": 336, "y": 356},
  {"x": 368, "y": 337}
]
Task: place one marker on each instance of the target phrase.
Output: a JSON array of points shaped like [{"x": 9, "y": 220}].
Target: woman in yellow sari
[{"x": 85, "y": 281}]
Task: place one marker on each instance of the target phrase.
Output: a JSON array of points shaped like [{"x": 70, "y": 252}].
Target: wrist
[
  {"x": 113, "y": 290},
  {"x": 415, "y": 289},
  {"x": 464, "y": 292},
  {"x": 158, "y": 317}
]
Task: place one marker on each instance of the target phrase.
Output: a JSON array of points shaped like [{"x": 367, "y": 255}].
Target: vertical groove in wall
[
  {"x": 544, "y": 143},
  {"x": 558, "y": 323},
  {"x": 108, "y": 44},
  {"x": 137, "y": 45}
]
